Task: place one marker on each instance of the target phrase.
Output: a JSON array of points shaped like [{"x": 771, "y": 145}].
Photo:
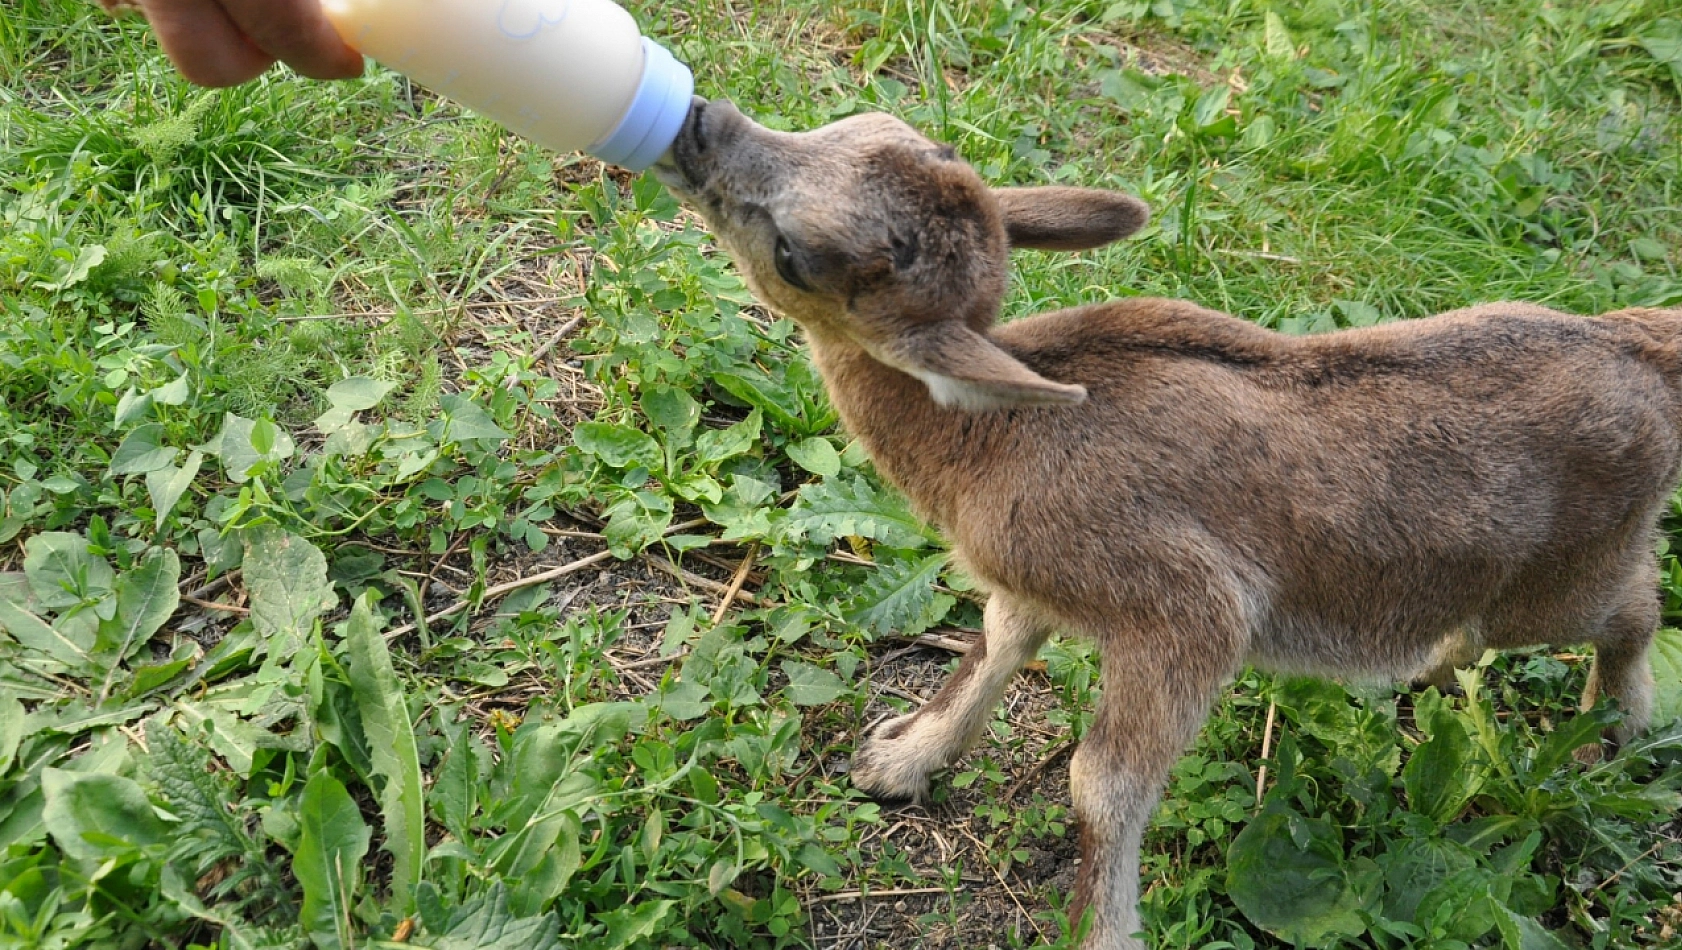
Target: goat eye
[{"x": 783, "y": 256}]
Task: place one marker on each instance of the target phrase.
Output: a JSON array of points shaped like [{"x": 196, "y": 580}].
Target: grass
[{"x": 301, "y": 384}]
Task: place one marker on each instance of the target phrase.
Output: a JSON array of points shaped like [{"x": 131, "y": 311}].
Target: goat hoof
[
  {"x": 1447, "y": 689},
  {"x": 887, "y": 769},
  {"x": 1592, "y": 754}
]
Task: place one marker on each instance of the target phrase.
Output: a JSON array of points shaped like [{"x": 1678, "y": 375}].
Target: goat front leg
[
  {"x": 1151, "y": 707},
  {"x": 895, "y": 761}
]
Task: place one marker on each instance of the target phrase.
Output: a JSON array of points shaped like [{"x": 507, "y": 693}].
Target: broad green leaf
[
  {"x": 543, "y": 752},
  {"x": 20, "y": 815},
  {"x": 1527, "y": 933},
  {"x": 348, "y": 397},
  {"x": 146, "y": 597},
  {"x": 60, "y": 484},
  {"x": 809, "y": 685},
  {"x": 93, "y": 815},
  {"x": 619, "y": 446},
  {"x": 195, "y": 793},
  {"x": 391, "y": 743},
  {"x": 1444, "y": 772},
  {"x": 673, "y": 411},
  {"x": 1211, "y": 106},
  {"x": 1356, "y": 731},
  {"x": 684, "y": 700},
  {"x": 464, "y": 421},
  {"x": 744, "y": 510},
  {"x": 36, "y": 634},
  {"x": 455, "y": 785},
  {"x": 1662, "y": 40},
  {"x": 11, "y": 729},
  {"x": 721, "y": 875},
  {"x": 85, "y": 261},
  {"x": 350, "y": 438},
  {"x": 1285, "y": 872},
  {"x": 269, "y": 441},
  {"x": 627, "y": 925},
  {"x": 61, "y": 571},
  {"x": 1481, "y": 834},
  {"x": 233, "y": 738},
  {"x": 131, "y": 406},
  {"x": 817, "y": 860},
  {"x": 636, "y": 521},
  {"x": 244, "y": 444},
  {"x": 697, "y": 487},
  {"x": 413, "y": 462},
  {"x": 1128, "y": 88},
  {"x": 760, "y": 391},
  {"x": 168, "y": 484},
  {"x": 1648, "y": 249},
  {"x": 150, "y": 676},
  {"x": 544, "y": 854},
  {"x": 77, "y": 718},
  {"x": 357, "y": 393},
  {"x": 1570, "y": 735},
  {"x": 484, "y": 923},
  {"x": 1358, "y": 313},
  {"x": 143, "y": 451},
  {"x": 332, "y": 841},
  {"x": 287, "y": 578},
  {"x": 338, "y": 718},
  {"x": 1464, "y": 904},
  {"x": 1666, "y": 658},
  {"x": 1278, "y": 41},
  {"x": 716, "y": 445},
  {"x": 1413, "y": 866},
  {"x": 816, "y": 455},
  {"x": 173, "y": 393}
]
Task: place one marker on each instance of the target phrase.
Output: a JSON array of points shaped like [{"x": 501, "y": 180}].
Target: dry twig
[
  {"x": 894, "y": 892},
  {"x": 492, "y": 593},
  {"x": 1267, "y": 748},
  {"x": 729, "y": 596}
]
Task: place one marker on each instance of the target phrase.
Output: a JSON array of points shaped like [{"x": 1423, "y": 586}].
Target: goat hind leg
[
  {"x": 1620, "y": 668},
  {"x": 1459, "y": 648},
  {"x": 895, "y": 761}
]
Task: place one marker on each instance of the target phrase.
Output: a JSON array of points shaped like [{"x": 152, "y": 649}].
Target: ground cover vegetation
[{"x": 414, "y": 538}]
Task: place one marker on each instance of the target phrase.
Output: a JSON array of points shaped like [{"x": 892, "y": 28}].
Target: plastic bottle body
[{"x": 567, "y": 74}]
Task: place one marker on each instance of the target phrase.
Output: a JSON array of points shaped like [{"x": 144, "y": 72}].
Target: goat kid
[{"x": 1191, "y": 491}]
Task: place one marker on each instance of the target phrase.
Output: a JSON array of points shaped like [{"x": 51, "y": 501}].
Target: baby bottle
[{"x": 571, "y": 75}]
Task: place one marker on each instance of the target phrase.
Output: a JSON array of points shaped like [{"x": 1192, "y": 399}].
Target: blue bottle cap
[{"x": 656, "y": 114}]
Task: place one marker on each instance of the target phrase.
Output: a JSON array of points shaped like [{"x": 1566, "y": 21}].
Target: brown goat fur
[{"x": 1189, "y": 490}]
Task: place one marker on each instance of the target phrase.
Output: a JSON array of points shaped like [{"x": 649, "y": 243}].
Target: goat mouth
[{"x": 678, "y": 168}]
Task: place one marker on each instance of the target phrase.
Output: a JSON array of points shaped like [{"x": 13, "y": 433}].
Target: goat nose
[{"x": 697, "y": 107}]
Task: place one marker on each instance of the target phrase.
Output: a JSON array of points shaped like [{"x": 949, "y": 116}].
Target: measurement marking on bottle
[{"x": 524, "y": 19}]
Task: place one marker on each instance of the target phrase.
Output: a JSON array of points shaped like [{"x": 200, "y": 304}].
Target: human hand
[{"x": 226, "y": 42}]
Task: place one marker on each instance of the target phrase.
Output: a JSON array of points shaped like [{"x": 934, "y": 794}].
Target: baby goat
[{"x": 1191, "y": 491}]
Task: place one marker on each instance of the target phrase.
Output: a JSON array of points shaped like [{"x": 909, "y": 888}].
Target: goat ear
[
  {"x": 1053, "y": 218},
  {"x": 965, "y": 370}
]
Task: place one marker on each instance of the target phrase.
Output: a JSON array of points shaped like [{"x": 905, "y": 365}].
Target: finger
[
  {"x": 296, "y": 33},
  {"x": 203, "y": 43}
]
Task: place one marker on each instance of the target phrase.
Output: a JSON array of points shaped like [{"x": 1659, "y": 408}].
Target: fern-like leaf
[
  {"x": 843, "y": 507},
  {"x": 900, "y": 597},
  {"x": 182, "y": 771},
  {"x": 213, "y": 839}
]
